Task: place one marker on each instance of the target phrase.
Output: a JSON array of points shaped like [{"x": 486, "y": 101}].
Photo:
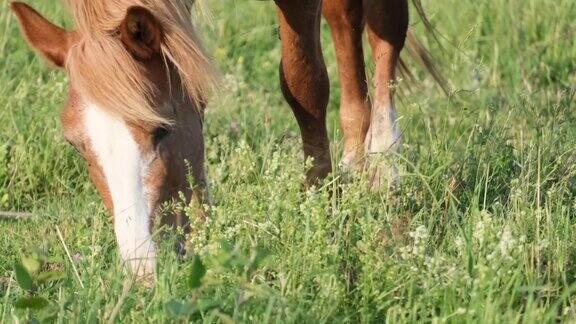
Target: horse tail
[{"x": 419, "y": 53}]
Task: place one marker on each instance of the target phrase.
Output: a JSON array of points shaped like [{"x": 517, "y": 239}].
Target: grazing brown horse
[{"x": 139, "y": 80}]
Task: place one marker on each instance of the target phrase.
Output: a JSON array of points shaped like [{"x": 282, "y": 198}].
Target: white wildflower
[
  {"x": 543, "y": 244},
  {"x": 459, "y": 243},
  {"x": 419, "y": 235},
  {"x": 507, "y": 242},
  {"x": 479, "y": 229}
]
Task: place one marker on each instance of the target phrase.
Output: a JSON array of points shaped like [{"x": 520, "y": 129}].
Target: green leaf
[
  {"x": 204, "y": 304},
  {"x": 48, "y": 276},
  {"x": 197, "y": 272},
  {"x": 31, "y": 303},
  {"x": 22, "y": 276},
  {"x": 178, "y": 308},
  {"x": 31, "y": 264},
  {"x": 256, "y": 258},
  {"x": 225, "y": 318}
]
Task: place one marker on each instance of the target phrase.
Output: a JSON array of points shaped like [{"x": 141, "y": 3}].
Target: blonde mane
[{"x": 103, "y": 70}]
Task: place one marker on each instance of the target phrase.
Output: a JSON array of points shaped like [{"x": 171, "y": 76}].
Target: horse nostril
[{"x": 159, "y": 134}]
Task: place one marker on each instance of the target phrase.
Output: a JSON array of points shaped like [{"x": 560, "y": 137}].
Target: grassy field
[{"x": 481, "y": 229}]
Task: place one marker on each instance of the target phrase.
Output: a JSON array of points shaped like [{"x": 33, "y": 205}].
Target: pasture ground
[{"x": 482, "y": 228}]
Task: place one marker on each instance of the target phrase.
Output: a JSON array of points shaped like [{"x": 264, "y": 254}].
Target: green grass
[{"x": 482, "y": 228}]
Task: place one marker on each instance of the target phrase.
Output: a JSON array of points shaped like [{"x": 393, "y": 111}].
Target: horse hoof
[
  {"x": 384, "y": 178},
  {"x": 142, "y": 270},
  {"x": 383, "y": 175}
]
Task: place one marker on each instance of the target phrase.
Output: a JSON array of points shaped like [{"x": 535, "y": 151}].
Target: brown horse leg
[
  {"x": 345, "y": 18},
  {"x": 387, "y": 22},
  {"x": 304, "y": 79}
]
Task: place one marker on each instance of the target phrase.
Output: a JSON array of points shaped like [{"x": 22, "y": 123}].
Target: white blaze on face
[{"x": 120, "y": 159}]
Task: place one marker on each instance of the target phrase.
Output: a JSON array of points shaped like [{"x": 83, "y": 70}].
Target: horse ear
[
  {"x": 49, "y": 40},
  {"x": 141, "y": 33}
]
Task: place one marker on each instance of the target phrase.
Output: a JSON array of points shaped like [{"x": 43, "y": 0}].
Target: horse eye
[{"x": 159, "y": 134}]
